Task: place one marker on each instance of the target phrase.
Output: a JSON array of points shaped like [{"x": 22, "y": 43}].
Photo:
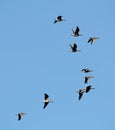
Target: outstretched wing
[
  {"x": 77, "y": 30},
  {"x": 86, "y": 70},
  {"x": 88, "y": 88},
  {"x": 55, "y": 21},
  {"x": 74, "y": 46},
  {"x": 59, "y": 17},
  {"x": 80, "y": 95},
  {"x": 89, "y": 40},
  {"x": 86, "y": 79},
  {"x": 46, "y": 96},
  {"x": 45, "y": 104},
  {"x": 81, "y": 91},
  {"x": 19, "y": 116},
  {"x": 71, "y": 46}
]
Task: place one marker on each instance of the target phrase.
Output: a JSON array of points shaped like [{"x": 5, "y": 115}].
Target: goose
[
  {"x": 20, "y": 115},
  {"x": 92, "y": 39},
  {"x": 85, "y": 70},
  {"x": 59, "y": 19},
  {"x": 74, "y": 48},
  {"x": 76, "y": 32},
  {"x": 80, "y": 92},
  {"x": 88, "y": 88},
  {"x": 46, "y": 100},
  {"x": 87, "y": 78}
]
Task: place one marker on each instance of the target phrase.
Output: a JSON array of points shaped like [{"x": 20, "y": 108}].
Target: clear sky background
[{"x": 35, "y": 58}]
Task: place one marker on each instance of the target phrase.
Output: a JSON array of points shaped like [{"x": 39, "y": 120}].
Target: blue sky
[{"x": 35, "y": 58}]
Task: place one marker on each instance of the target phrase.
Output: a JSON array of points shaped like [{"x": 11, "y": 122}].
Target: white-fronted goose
[
  {"x": 74, "y": 48},
  {"x": 59, "y": 19},
  {"x": 46, "y": 100},
  {"x": 92, "y": 39},
  {"x": 76, "y": 32}
]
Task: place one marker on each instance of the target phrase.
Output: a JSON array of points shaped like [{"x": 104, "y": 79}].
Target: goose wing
[
  {"x": 77, "y": 30},
  {"x": 86, "y": 79},
  {"x": 71, "y": 46},
  {"x": 19, "y": 116},
  {"x": 74, "y": 47},
  {"x": 88, "y": 88},
  {"x": 59, "y": 17},
  {"x": 45, "y": 104},
  {"x": 86, "y": 70},
  {"x": 46, "y": 96},
  {"x": 83, "y": 70},
  {"x": 73, "y": 31},
  {"x": 55, "y": 21},
  {"x": 80, "y": 94},
  {"x": 89, "y": 40}
]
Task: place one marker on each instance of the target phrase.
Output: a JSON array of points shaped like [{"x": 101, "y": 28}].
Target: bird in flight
[
  {"x": 76, "y": 32},
  {"x": 87, "y": 78},
  {"x": 92, "y": 39},
  {"x": 46, "y": 100},
  {"x": 85, "y": 70},
  {"x": 59, "y": 19},
  {"x": 74, "y": 48},
  {"x": 20, "y": 115},
  {"x": 80, "y": 92},
  {"x": 88, "y": 88}
]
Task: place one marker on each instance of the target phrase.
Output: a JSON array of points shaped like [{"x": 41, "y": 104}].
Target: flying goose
[
  {"x": 59, "y": 19},
  {"x": 85, "y": 70},
  {"x": 92, "y": 39},
  {"x": 80, "y": 92},
  {"x": 74, "y": 48},
  {"x": 87, "y": 78},
  {"x": 76, "y": 32},
  {"x": 88, "y": 88},
  {"x": 20, "y": 115},
  {"x": 46, "y": 100}
]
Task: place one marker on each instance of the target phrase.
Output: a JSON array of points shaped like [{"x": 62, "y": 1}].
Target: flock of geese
[{"x": 80, "y": 92}]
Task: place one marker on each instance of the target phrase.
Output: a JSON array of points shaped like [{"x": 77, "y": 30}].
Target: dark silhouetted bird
[
  {"x": 76, "y": 32},
  {"x": 74, "y": 48},
  {"x": 80, "y": 92},
  {"x": 87, "y": 78},
  {"x": 85, "y": 70},
  {"x": 92, "y": 39},
  {"x": 20, "y": 115},
  {"x": 88, "y": 88},
  {"x": 59, "y": 19},
  {"x": 46, "y": 100}
]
